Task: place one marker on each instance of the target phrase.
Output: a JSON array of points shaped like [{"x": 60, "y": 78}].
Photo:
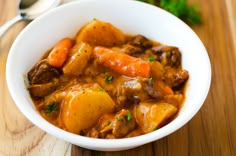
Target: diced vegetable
[
  {"x": 78, "y": 61},
  {"x": 156, "y": 70},
  {"x": 122, "y": 63},
  {"x": 150, "y": 116},
  {"x": 58, "y": 55},
  {"x": 164, "y": 89},
  {"x": 100, "y": 33},
  {"x": 83, "y": 106}
]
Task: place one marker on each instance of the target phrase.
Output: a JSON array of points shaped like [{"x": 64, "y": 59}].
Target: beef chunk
[
  {"x": 141, "y": 41},
  {"x": 131, "y": 92},
  {"x": 42, "y": 72},
  {"x": 151, "y": 91},
  {"x": 175, "y": 78},
  {"x": 93, "y": 133},
  {"x": 168, "y": 55},
  {"x": 114, "y": 125},
  {"x": 123, "y": 124},
  {"x": 41, "y": 90},
  {"x": 131, "y": 49}
]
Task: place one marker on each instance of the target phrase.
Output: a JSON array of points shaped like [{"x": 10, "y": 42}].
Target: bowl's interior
[{"x": 131, "y": 17}]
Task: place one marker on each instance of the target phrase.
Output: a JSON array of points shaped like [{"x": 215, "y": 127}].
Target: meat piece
[
  {"x": 141, "y": 41},
  {"x": 124, "y": 123},
  {"x": 175, "y": 78},
  {"x": 93, "y": 133},
  {"x": 118, "y": 126},
  {"x": 149, "y": 88},
  {"x": 131, "y": 49},
  {"x": 114, "y": 125},
  {"x": 132, "y": 92},
  {"x": 42, "y": 72},
  {"x": 168, "y": 55},
  {"x": 41, "y": 90},
  {"x": 104, "y": 125},
  {"x": 140, "y": 89}
]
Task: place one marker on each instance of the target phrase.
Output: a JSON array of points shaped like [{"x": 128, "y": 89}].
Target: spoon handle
[{"x": 7, "y": 25}]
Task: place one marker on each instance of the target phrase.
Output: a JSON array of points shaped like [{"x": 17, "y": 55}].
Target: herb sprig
[
  {"x": 108, "y": 79},
  {"x": 180, "y": 8},
  {"x": 151, "y": 59},
  {"x": 50, "y": 108}
]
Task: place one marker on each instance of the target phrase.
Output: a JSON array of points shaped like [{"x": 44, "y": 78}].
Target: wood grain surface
[{"x": 212, "y": 132}]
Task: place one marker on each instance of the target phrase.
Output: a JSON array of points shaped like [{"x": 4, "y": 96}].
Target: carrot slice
[
  {"x": 166, "y": 90},
  {"x": 58, "y": 55},
  {"x": 122, "y": 63}
]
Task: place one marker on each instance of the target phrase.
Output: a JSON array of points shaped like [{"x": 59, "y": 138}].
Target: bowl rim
[{"x": 109, "y": 145}]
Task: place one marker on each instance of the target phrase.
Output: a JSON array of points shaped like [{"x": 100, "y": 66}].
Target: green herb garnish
[
  {"x": 151, "y": 59},
  {"x": 108, "y": 79},
  {"x": 118, "y": 118},
  {"x": 101, "y": 89},
  {"x": 154, "y": 129},
  {"x": 108, "y": 123},
  {"x": 50, "y": 108},
  {"x": 179, "y": 8},
  {"x": 129, "y": 116}
]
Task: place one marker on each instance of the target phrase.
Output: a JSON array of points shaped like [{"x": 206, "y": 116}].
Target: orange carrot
[
  {"x": 59, "y": 53},
  {"x": 122, "y": 63},
  {"x": 166, "y": 90}
]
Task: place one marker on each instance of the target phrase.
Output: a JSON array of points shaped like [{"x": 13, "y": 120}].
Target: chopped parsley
[
  {"x": 129, "y": 116},
  {"x": 108, "y": 123},
  {"x": 101, "y": 89},
  {"x": 108, "y": 79},
  {"x": 154, "y": 129},
  {"x": 118, "y": 118},
  {"x": 151, "y": 59},
  {"x": 50, "y": 108}
]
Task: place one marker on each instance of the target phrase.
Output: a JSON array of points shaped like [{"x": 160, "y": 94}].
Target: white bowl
[{"x": 131, "y": 17}]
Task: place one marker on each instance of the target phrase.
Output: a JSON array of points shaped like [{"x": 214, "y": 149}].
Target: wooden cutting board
[{"x": 211, "y": 132}]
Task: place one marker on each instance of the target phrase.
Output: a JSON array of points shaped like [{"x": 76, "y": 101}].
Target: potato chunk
[
  {"x": 150, "y": 116},
  {"x": 78, "y": 60},
  {"x": 100, "y": 33},
  {"x": 83, "y": 106}
]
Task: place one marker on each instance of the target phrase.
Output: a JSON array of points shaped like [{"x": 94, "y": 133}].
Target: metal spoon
[{"x": 29, "y": 10}]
